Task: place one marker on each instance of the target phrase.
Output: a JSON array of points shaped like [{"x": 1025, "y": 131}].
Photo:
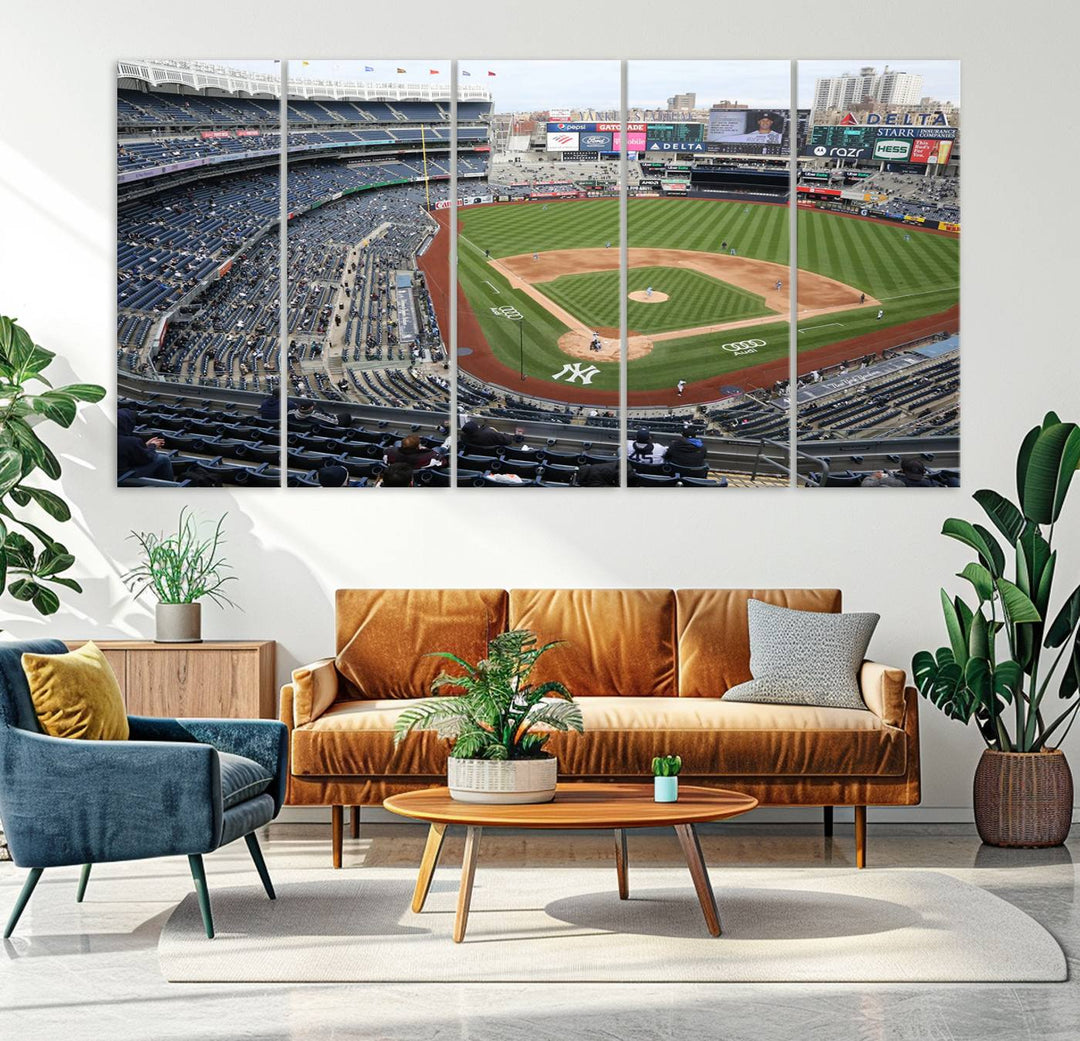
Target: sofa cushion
[
  {"x": 622, "y": 734},
  {"x": 383, "y": 636},
  {"x": 714, "y": 633},
  {"x": 241, "y": 778},
  {"x": 618, "y": 641},
  {"x": 805, "y": 657}
]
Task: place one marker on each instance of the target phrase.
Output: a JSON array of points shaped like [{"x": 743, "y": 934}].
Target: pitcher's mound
[
  {"x": 576, "y": 344},
  {"x": 643, "y": 298}
]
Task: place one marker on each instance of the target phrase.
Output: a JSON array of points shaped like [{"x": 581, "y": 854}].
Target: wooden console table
[{"x": 215, "y": 678}]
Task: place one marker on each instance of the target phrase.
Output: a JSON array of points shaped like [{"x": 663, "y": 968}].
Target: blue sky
[{"x": 523, "y": 85}]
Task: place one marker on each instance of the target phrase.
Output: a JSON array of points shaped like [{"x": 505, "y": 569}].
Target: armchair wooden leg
[
  {"x": 260, "y": 864},
  {"x": 337, "y": 828},
  {"x": 24, "y": 899},
  {"x": 198, "y": 873},
  {"x": 354, "y": 823},
  {"x": 84, "y": 877},
  {"x": 828, "y": 814},
  {"x": 860, "y": 836}
]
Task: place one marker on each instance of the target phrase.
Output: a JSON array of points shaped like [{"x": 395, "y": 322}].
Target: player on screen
[{"x": 764, "y": 135}]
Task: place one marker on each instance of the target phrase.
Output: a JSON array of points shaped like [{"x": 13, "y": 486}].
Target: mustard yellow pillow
[{"x": 76, "y": 695}]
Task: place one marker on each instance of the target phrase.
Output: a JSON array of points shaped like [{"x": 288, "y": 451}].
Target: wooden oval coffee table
[{"x": 580, "y": 806}]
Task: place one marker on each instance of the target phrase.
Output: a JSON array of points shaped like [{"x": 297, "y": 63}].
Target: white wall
[{"x": 292, "y": 549}]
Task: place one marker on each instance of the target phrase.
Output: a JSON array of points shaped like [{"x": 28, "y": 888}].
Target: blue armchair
[{"x": 178, "y": 786}]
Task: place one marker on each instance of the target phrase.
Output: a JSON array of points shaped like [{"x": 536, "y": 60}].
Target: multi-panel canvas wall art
[{"x": 532, "y": 273}]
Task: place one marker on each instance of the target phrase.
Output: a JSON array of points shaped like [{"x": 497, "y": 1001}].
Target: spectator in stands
[
  {"x": 478, "y": 434},
  {"x": 882, "y": 479},
  {"x": 304, "y": 415},
  {"x": 685, "y": 450},
  {"x": 412, "y": 452},
  {"x": 913, "y": 474},
  {"x": 333, "y": 475},
  {"x": 599, "y": 475},
  {"x": 642, "y": 449},
  {"x": 396, "y": 475},
  {"x": 270, "y": 407},
  {"x": 136, "y": 457}
]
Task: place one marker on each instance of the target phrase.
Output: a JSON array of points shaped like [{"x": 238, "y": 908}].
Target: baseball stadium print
[
  {"x": 879, "y": 229},
  {"x": 538, "y": 335},
  {"x": 418, "y": 190}
]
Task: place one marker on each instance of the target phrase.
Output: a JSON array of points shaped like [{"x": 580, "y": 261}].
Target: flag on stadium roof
[
  {"x": 369, "y": 68},
  {"x": 465, "y": 72},
  {"x": 401, "y": 72},
  {"x": 305, "y": 63},
  {"x": 433, "y": 72},
  {"x": 490, "y": 73}
]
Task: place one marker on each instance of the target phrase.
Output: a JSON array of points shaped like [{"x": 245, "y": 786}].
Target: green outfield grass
[
  {"x": 913, "y": 273},
  {"x": 693, "y": 299}
]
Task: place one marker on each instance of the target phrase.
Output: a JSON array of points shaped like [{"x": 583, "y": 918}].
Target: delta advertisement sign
[{"x": 594, "y": 137}]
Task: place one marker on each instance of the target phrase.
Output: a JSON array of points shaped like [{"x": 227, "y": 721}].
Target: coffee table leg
[
  {"x": 468, "y": 870},
  {"x": 694, "y": 860},
  {"x": 436, "y": 834},
  {"x": 621, "y": 863}
]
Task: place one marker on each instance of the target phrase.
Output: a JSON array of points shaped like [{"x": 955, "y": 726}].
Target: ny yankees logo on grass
[{"x": 574, "y": 371}]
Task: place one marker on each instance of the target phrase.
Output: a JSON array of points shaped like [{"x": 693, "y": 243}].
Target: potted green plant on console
[
  {"x": 497, "y": 755},
  {"x": 181, "y": 568},
  {"x": 1023, "y": 790}
]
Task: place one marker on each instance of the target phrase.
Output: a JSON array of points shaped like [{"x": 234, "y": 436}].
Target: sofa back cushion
[
  {"x": 383, "y": 635},
  {"x": 620, "y": 642},
  {"x": 714, "y": 634}
]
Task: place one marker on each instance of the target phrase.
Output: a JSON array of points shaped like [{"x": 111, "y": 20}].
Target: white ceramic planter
[
  {"x": 502, "y": 781},
  {"x": 665, "y": 789},
  {"x": 178, "y": 623}
]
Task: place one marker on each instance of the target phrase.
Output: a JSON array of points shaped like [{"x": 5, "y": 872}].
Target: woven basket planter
[
  {"x": 1023, "y": 799},
  {"x": 502, "y": 781}
]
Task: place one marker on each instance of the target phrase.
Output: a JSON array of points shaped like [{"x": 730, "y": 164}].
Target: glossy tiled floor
[{"x": 90, "y": 971}]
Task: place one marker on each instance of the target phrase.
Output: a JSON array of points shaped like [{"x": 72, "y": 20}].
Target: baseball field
[{"x": 538, "y": 281}]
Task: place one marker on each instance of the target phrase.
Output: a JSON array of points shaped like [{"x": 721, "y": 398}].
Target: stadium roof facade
[{"x": 194, "y": 77}]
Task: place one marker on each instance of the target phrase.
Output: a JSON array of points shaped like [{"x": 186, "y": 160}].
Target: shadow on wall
[{"x": 104, "y": 515}]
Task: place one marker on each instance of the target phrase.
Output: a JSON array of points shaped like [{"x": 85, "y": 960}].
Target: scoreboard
[{"x": 675, "y": 133}]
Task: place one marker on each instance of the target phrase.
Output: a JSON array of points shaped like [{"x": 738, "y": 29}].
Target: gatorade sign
[{"x": 892, "y": 149}]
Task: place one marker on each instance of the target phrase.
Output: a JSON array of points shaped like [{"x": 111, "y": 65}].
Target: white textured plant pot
[
  {"x": 178, "y": 623},
  {"x": 502, "y": 781}
]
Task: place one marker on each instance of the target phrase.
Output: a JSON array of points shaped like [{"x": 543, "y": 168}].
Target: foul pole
[{"x": 427, "y": 180}]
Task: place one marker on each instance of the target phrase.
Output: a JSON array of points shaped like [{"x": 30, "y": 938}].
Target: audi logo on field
[{"x": 744, "y": 346}]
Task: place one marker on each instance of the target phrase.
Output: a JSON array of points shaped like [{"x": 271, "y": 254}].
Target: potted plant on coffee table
[
  {"x": 181, "y": 569},
  {"x": 665, "y": 770},
  {"x": 1023, "y": 787},
  {"x": 498, "y": 751}
]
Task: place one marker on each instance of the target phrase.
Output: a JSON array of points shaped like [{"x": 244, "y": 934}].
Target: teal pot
[{"x": 665, "y": 789}]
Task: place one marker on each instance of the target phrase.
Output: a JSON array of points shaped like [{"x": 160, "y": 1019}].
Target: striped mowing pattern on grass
[
  {"x": 913, "y": 273},
  {"x": 693, "y": 299}
]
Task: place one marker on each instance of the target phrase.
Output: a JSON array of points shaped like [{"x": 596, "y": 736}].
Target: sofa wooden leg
[
  {"x": 354, "y": 823},
  {"x": 860, "y": 836},
  {"x": 337, "y": 829},
  {"x": 828, "y": 816}
]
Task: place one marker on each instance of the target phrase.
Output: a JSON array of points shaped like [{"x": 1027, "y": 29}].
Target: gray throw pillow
[{"x": 805, "y": 657}]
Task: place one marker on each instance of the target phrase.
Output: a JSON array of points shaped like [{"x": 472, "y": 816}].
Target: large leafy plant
[
  {"x": 495, "y": 716},
  {"x": 182, "y": 566},
  {"x": 968, "y": 680},
  {"x": 31, "y": 559}
]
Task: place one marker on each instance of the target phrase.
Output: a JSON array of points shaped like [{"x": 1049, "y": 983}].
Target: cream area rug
[{"x": 568, "y": 924}]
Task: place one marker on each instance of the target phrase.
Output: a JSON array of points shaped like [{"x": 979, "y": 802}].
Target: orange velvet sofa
[{"x": 649, "y": 668}]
